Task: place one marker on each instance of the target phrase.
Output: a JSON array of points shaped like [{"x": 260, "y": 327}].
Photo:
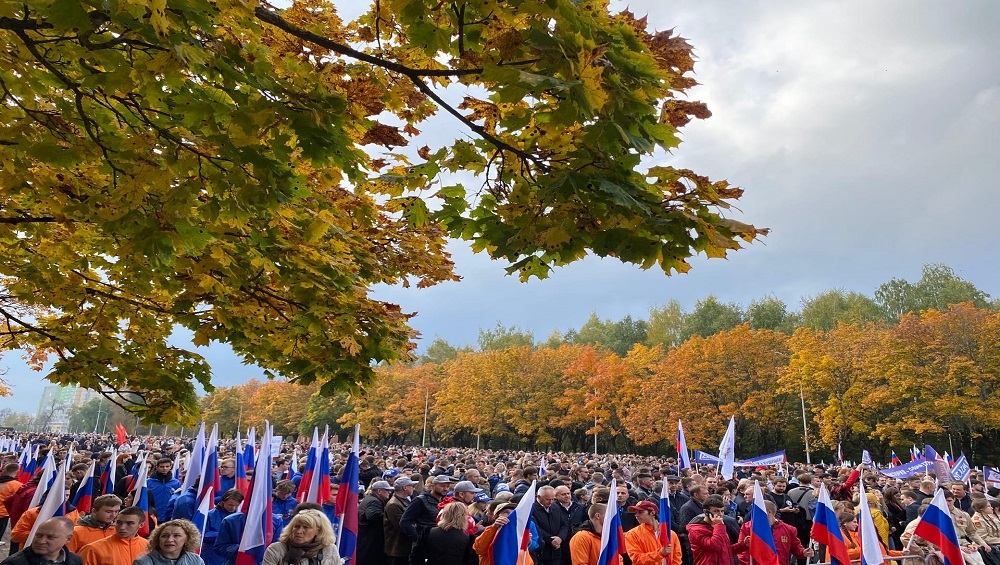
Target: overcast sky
[{"x": 865, "y": 135}]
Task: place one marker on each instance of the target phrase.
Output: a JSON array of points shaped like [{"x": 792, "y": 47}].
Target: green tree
[
  {"x": 666, "y": 325},
  {"x": 502, "y": 337},
  {"x": 232, "y": 170},
  {"x": 710, "y": 317},
  {"x": 617, "y": 337},
  {"x": 438, "y": 352},
  {"x": 769, "y": 313},
  {"x": 938, "y": 288},
  {"x": 825, "y": 310}
]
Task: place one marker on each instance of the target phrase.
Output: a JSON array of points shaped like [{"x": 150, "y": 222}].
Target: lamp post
[{"x": 951, "y": 448}]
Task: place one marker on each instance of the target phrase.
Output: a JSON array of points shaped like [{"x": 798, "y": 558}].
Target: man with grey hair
[
  {"x": 553, "y": 527},
  {"x": 48, "y": 545},
  {"x": 465, "y": 492}
]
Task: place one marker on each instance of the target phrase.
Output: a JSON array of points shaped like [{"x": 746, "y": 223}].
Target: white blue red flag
[
  {"x": 762, "y": 550},
  {"x": 209, "y": 471},
  {"x": 840, "y": 454},
  {"x": 871, "y": 550},
  {"x": 258, "y": 532},
  {"x": 513, "y": 539},
  {"x": 85, "y": 492},
  {"x": 54, "y": 504},
  {"x": 27, "y": 461},
  {"x": 248, "y": 451},
  {"x": 612, "y": 536},
  {"x": 305, "y": 485},
  {"x": 683, "y": 455},
  {"x": 895, "y": 462},
  {"x": 321, "y": 478},
  {"x": 826, "y": 529},
  {"x": 937, "y": 527},
  {"x": 663, "y": 534},
  {"x": 141, "y": 498},
  {"x": 197, "y": 460},
  {"x": 45, "y": 480},
  {"x": 347, "y": 502},
  {"x": 108, "y": 473},
  {"x": 727, "y": 451},
  {"x": 242, "y": 483}
]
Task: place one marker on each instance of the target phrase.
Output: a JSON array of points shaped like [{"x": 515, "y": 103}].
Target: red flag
[{"x": 120, "y": 432}]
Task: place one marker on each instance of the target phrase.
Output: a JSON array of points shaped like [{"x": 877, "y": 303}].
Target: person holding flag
[
  {"x": 587, "y": 546},
  {"x": 783, "y": 536},
  {"x": 8, "y": 486},
  {"x": 643, "y": 543}
]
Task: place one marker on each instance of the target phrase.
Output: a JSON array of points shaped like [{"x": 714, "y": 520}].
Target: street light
[{"x": 427, "y": 404}]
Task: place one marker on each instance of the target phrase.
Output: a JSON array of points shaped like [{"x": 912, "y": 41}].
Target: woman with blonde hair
[
  {"x": 308, "y": 539},
  {"x": 448, "y": 543},
  {"x": 173, "y": 542}
]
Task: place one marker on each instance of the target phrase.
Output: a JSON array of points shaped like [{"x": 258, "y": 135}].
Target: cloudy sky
[{"x": 861, "y": 132}]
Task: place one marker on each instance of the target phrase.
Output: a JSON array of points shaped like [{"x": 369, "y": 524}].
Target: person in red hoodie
[
  {"x": 786, "y": 539},
  {"x": 707, "y": 533}
]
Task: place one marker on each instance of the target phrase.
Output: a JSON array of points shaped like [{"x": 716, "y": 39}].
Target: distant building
[{"x": 53, "y": 409}]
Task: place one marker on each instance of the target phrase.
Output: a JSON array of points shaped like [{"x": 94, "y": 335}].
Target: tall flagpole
[{"x": 805, "y": 428}]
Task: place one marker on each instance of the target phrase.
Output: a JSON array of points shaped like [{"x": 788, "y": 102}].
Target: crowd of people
[{"x": 447, "y": 506}]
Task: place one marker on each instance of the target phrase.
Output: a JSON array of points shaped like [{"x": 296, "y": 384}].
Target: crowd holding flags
[{"x": 762, "y": 549}]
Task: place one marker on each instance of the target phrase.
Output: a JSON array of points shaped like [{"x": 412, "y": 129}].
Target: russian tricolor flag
[
  {"x": 141, "y": 498},
  {"x": 242, "y": 483},
  {"x": 85, "y": 492},
  {"x": 321, "y": 479},
  {"x": 683, "y": 458},
  {"x": 937, "y": 527},
  {"x": 257, "y": 533},
  {"x": 826, "y": 529},
  {"x": 28, "y": 463},
  {"x": 612, "y": 536},
  {"x": 45, "y": 480},
  {"x": 762, "y": 549},
  {"x": 895, "y": 462},
  {"x": 305, "y": 484},
  {"x": 347, "y": 501},
  {"x": 663, "y": 535},
  {"x": 511, "y": 540},
  {"x": 108, "y": 474},
  {"x": 248, "y": 451}
]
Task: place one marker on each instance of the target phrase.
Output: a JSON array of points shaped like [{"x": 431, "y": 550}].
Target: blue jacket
[
  {"x": 225, "y": 484},
  {"x": 161, "y": 488},
  {"x": 227, "y": 543},
  {"x": 208, "y": 554},
  {"x": 283, "y": 508},
  {"x": 183, "y": 506}
]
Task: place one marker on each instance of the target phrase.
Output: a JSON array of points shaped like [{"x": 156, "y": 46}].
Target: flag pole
[{"x": 805, "y": 428}]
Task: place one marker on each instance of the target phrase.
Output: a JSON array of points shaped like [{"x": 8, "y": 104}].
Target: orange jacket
[
  {"x": 113, "y": 550},
  {"x": 20, "y": 532},
  {"x": 83, "y": 535},
  {"x": 854, "y": 545},
  {"x": 643, "y": 546},
  {"x": 585, "y": 549},
  {"x": 7, "y": 488}
]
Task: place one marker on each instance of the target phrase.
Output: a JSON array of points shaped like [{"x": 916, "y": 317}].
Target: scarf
[{"x": 296, "y": 551}]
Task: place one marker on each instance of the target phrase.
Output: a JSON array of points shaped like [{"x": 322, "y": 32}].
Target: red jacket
[
  {"x": 709, "y": 544},
  {"x": 786, "y": 541},
  {"x": 843, "y": 492}
]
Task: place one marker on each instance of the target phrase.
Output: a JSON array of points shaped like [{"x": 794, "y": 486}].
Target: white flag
[{"x": 727, "y": 451}]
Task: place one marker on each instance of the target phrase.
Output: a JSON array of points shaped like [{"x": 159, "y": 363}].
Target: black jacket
[
  {"x": 553, "y": 523},
  {"x": 419, "y": 517},
  {"x": 28, "y": 557}
]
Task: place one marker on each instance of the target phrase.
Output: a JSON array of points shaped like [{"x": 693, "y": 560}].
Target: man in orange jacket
[
  {"x": 585, "y": 545},
  {"x": 122, "y": 548},
  {"x": 98, "y": 525},
  {"x": 642, "y": 542},
  {"x": 8, "y": 486}
]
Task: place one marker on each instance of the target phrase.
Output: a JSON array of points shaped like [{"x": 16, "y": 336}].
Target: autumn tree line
[{"x": 915, "y": 363}]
